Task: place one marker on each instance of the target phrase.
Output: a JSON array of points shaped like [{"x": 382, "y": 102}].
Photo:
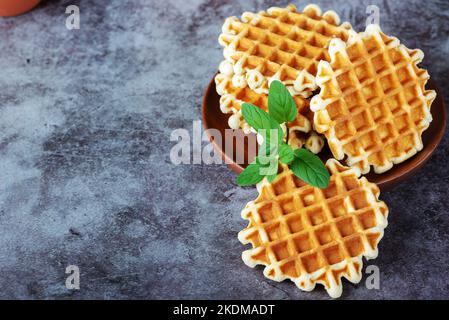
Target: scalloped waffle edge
[
  {"x": 373, "y": 105},
  {"x": 311, "y": 235}
]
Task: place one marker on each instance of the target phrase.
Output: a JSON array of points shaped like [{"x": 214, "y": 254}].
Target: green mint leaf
[
  {"x": 271, "y": 178},
  {"x": 263, "y": 160},
  {"x": 251, "y": 175},
  {"x": 256, "y": 117},
  {"x": 268, "y": 165},
  {"x": 272, "y": 138},
  {"x": 267, "y": 149},
  {"x": 281, "y": 105},
  {"x": 286, "y": 154},
  {"x": 262, "y": 122},
  {"x": 309, "y": 167}
]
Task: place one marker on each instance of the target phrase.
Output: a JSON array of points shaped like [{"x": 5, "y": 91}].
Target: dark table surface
[{"x": 85, "y": 171}]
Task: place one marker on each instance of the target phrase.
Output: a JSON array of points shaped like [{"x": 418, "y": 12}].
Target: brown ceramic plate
[{"x": 213, "y": 118}]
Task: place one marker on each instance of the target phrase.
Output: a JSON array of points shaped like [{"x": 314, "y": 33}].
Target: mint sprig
[
  {"x": 281, "y": 105},
  {"x": 303, "y": 163}
]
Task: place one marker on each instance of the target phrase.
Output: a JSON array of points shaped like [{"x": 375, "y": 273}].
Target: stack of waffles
[
  {"x": 364, "y": 94},
  {"x": 279, "y": 44}
]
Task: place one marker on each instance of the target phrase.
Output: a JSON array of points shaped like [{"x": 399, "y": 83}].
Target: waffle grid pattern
[
  {"x": 311, "y": 235},
  {"x": 373, "y": 105},
  {"x": 281, "y": 44}
]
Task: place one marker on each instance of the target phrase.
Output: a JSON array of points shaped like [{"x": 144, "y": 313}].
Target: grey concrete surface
[{"x": 85, "y": 173}]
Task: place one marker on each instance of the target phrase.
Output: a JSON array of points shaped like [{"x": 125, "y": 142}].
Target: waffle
[
  {"x": 234, "y": 93},
  {"x": 311, "y": 141},
  {"x": 280, "y": 44},
  {"x": 311, "y": 235},
  {"x": 373, "y": 105}
]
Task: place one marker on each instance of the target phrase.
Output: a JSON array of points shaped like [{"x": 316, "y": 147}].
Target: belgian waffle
[
  {"x": 312, "y": 235},
  {"x": 280, "y": 44},
  {"x": 373, "y": 105}
]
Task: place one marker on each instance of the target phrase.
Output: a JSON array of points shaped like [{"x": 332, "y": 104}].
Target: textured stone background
[{"x": 85, "y": 174}]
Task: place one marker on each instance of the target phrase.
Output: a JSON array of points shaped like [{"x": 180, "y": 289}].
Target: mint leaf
[
  {"x": 251, "y": 175},
  {"x": 281, "y": 105},
  {"x": 267, "y": 148},
  {"x": 310, "y": 168},
  {"x": 256, "y": 117},
  {"x": 268, "y": 165},
  {"x": 262, "y": 122},
  {"x": 286, "y": 154},
  {"x": 272, "y": 139},
  {"x": 271, "y": 178}
]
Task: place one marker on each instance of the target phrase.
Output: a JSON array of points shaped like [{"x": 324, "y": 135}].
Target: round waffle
[
  {"x": 311, "y": 235},
  {"x": 373, "y": 105},
  {"x": 280, "y": 44}
]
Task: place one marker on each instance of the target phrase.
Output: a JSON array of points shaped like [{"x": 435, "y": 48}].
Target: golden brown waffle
[
  {"x": 234, "y": 94},
  {"x": 373, "y": 105},
  {"x": 311, "y": 140},
  {"x": 280, "y": 44},
  {"x": 311, "y": 235}
]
